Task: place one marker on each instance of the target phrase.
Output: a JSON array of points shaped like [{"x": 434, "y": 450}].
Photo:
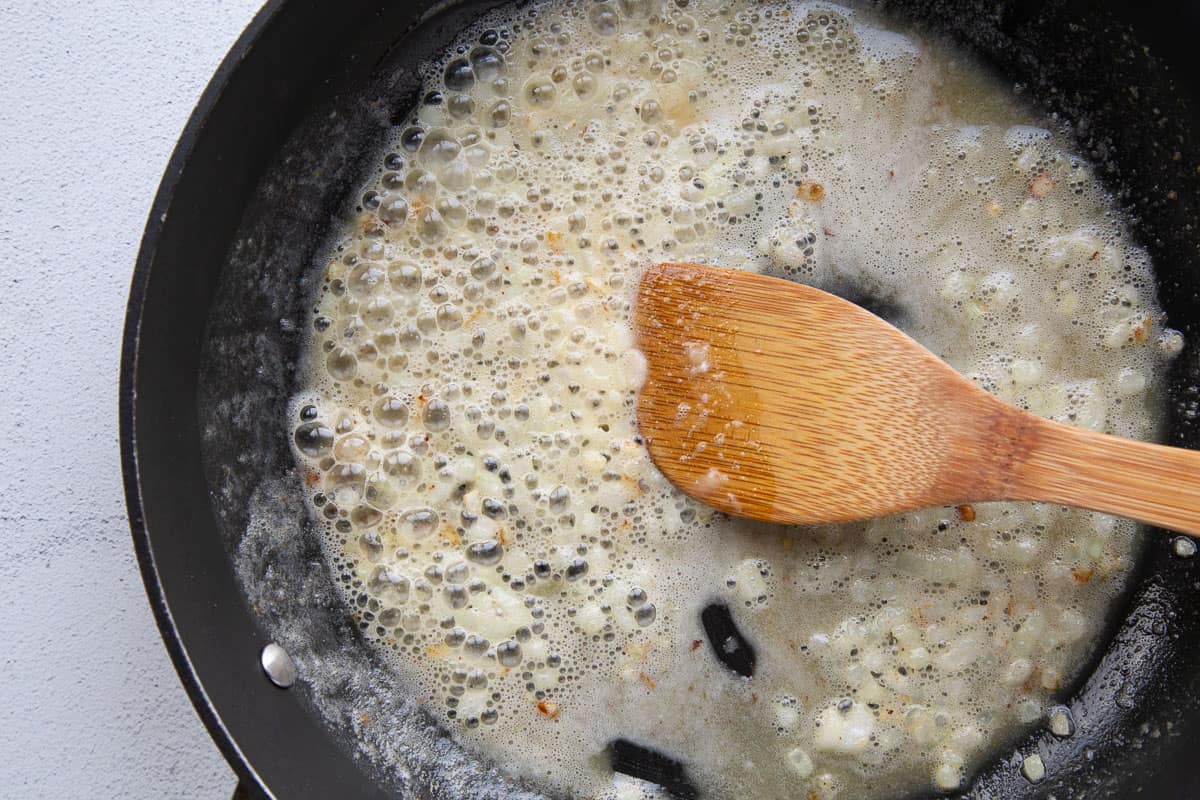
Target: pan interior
[{"x": 1135, "y": 705}]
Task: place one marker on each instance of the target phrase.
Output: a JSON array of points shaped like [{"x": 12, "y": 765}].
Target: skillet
[{"x": 283, "y": 136}]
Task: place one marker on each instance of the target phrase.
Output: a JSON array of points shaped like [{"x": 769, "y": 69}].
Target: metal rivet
[
  {"x": 1184, "y": 547},
  {"x": 278, "y": 665}
]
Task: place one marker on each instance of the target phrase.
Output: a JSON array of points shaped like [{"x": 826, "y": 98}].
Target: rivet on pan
[
  {"x": 1184, "y": 547},
  {"x": 278, "y": 665}
]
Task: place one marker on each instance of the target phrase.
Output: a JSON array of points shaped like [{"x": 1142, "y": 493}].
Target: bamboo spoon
[{"x": 771, "y": 400}]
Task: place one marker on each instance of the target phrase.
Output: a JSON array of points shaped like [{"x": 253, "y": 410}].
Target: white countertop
[{"x": 93, "y": 96}]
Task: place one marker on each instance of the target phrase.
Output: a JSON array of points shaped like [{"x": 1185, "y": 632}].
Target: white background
[{"x": 93, "y": 95}]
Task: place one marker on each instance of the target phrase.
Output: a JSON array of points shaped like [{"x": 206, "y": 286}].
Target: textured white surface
[{"x": 92, "y": 98}]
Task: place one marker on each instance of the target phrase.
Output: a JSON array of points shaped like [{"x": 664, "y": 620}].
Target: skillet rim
[{"x": 127, "y": 397}]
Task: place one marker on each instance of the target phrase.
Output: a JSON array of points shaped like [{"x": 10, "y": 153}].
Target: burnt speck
[
  {"x": 728, "y": 645},
  {"x": 645, "y": 764}
]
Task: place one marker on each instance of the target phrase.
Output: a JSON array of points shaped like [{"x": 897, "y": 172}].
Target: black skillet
[{"x": 270, "y": 161}]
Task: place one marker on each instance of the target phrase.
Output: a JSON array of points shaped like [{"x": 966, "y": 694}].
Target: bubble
[
  {"x": 460, "y": 106},
  {"x": 365, "y": 516},
  {"x": 576, "y": 569},
  {"x": 437, "y": 415},
  {"x": 458, "y": 573},
  {"x": 459, "y": 75},
  {"x": 366, "y": 279},
  {"x": 351, "y": 448},
  {"x": 392, "y": 181},
  {"x": 485, "y": 553},
  {"x": 449, "y": 318},
  {"x": 645, "y": 614},
  {"x": 314, "y": 440},
  {"x": 540, "y": 91},
  {"x": 378, "y": 313},
  {"x": 408, "y": 336},
  {"x": 391, "y": 412},
  {"x": 405, "y": 277},
  {"x": 493, "y": 509},
  {"x": 423, "y": 589},
  {"x": 500, "y": 114},
  {"x": 604, "y": 19},
  {"x": 431, "y": 225},
  {"x": 584, "y": 85},
  {"x": 419, "y": 523},
  {"x": 453, "y": 212},
  {"x": 478, "y": 155},
  {"x": 390, "y": 617},
  {"x": 456, "y": 595},
  {"x": 483, "y": 268},
  {"x": 369, "y": 540},
  {"x": 440, "y": 147},
  {"x": 341, "y": 364},
  {"x": 650, "y": 111},
  {"x": 506, "y": 173},
  {"x": 487, "y": 63},
  {"x": 380, "y": 492},
  {"x": 393, "y": 210},
  {"x": 411, "y": 139},
  {"x": 560, "y": 498},
  {"x": 404, "y": 466},
  {"x": 421, "y": 183},
  {"x": 508, "y": 653},
  {"x": 351, "y": 477},
  {"x": 456, "y": 177}
]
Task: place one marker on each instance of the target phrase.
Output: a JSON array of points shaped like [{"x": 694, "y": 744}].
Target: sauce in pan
[{"x": 468, "y": 434}]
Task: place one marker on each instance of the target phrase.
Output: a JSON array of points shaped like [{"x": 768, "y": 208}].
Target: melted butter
[{"x": 467, "y": 434}]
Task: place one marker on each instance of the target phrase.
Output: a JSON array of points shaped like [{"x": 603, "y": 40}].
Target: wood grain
[{"x": 780, "y": 402}]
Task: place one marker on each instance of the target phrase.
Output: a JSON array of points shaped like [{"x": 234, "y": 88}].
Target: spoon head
[{"x": 780, "y": 402}]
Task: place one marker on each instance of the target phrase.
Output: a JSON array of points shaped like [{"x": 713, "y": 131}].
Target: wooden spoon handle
[{"x": 1147, "y": 482}]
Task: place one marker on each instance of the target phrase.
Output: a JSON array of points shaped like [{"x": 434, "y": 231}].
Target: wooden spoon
[{"x": 780, "y": 402}]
